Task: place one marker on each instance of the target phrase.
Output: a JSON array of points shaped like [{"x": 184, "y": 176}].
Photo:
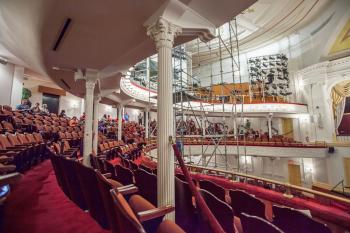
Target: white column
[
  {"x": 235, "y": 125},
  {"x": 146, "y": 123},
  {"x": 269, "y": 123},
  {"x": 163, "y": 33},
  {"x": 17, "y": 86},
  {"x": 95, "y": 130},
  {"x": 90, "y": 77},
  {"x": 120, "y": 121}
]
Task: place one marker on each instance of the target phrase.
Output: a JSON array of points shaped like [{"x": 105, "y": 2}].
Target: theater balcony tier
[{"x": 198, "y": 106}]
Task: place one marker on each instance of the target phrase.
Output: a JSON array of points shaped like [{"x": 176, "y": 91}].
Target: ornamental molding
[
  {"x": 163, "y": 33},
  {"x": 328, "y": 68}
]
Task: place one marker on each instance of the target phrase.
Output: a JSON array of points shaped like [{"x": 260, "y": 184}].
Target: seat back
[
  {"x": 125, "y": 215},
  {"x": 250, "y": 224},
  {"x": 243, "y": 202},
  {"x": 105, "y": 186},
  {"x": 133, "y": 165},
  {"x": 30, "y": 138},
  {"x": 23, "y": 139},
  {"x": 8, "y": 126},
  {"x": 293, "y": 221},
  {"x": 124, "y": 175},
  {"x": 4, "y": 141},
  {"x": 213, "y": 188},
  {"x": 89, "y": 185},
  {"x": 14, "y": 140},
  {"x": 185, "y": 214},
  {"x": 111, "y": 169},
  {"x": 58, "y": 169},
  {"x": 38, "y": 137},
  {"x": 75, "y": 189},
  {"x": 221, "y": 210},
  {"x": 147, "y": 169},
  {"x": 147, "y": 184}
]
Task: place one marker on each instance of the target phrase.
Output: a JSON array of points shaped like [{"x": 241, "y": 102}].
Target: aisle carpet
[{"x": 37, "y": 205}]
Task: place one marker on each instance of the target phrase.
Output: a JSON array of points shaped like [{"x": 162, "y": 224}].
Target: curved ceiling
[
  {"x": 267, "y": 21},
  {"x": 109, "y": 37}
]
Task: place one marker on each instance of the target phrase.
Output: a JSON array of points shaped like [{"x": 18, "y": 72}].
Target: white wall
[
  {"x": 74, "y": 106},
  {"x": 108, "y": 110},
  {"x": 6, "y": 81},
  {"x": 315, "y": 85}
]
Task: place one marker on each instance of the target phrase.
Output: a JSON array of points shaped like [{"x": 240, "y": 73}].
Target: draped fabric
[
  {"x": 340, "y": 113},
  {"x": 338, "y": 106}
]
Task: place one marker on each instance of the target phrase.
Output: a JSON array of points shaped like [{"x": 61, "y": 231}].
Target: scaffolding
[{"x": 190, "y": 90}]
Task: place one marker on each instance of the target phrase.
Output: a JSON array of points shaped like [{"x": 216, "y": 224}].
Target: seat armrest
[
  {"x": 14, "y": 148},
  {"x": 107, "y": 175},
  {"x": 10, "y": 178},
  {"x": 127, "y": 189},
  {"x": 154, "y": 213},
  {"x": 5, "y": 158}
]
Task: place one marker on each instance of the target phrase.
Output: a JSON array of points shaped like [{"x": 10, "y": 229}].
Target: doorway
[{"x": 52, "y": 102}]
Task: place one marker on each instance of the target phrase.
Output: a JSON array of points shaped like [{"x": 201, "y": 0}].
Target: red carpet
[{"x": 37, "y": 205}]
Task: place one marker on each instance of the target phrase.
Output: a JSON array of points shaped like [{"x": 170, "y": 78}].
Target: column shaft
[
  {"x": 89, "y": 101},
  {"x": 269, "y": 126},
  {"x": 165, "y": 170},
  {"x": 95, "y": 129},
  {"x": 146, "y": 124},
  {"x": 120, "y": 121}
]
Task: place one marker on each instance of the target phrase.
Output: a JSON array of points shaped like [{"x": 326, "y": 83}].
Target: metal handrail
[{"x": 289, "y": 187}]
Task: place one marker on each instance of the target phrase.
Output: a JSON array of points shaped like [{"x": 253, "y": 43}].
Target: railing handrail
[{"x": 287, "y": 185}]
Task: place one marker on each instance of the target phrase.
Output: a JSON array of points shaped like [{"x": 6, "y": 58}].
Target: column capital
[
  {"x": 91, "y": 74},
  {"x": 163, "y": 33},
  {"x": 90, "y": 84}
]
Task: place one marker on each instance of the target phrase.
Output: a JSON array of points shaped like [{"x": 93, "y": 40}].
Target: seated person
[
  {"x": 45, "y": 110},
  {"x": 24, "y": 105},
  {"x": 73, "y": 122},
  {"x": 36, "y": 108}
]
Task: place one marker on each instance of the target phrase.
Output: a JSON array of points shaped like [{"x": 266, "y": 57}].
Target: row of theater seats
[
  {"x": 111, "y": 149},
  {"x": 21, "y": 151},
  {"x": 113, "y": 205},
  {"x": 225, "y": 204},
  {"x": 48, "y": 125}
]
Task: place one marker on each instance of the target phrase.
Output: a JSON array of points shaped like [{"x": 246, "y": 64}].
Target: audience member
[
  {"x": 24, "y": 105},
  {"x": 73, "y": 122},
  {"x": 62, "y": 113},
  {"x": 36, "y": 108}
]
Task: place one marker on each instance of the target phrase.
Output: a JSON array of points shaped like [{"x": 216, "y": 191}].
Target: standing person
[
  {"x": 140, "y": 117},
  {"x": 126, "y": 116},
  {"x": 62, "y": 113}
]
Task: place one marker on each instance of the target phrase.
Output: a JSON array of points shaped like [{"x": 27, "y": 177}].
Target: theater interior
[{"x": 250, "y": 133}]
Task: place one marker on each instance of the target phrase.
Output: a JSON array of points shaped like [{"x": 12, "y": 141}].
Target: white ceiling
[{"x": 109, "y": 36}]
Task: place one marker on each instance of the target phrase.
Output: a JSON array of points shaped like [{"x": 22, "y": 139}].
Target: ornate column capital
[
  {"x": 91, "y": 76},
  {"x": 90, "y": 84},
  {"x": 163, "y": 33}
]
